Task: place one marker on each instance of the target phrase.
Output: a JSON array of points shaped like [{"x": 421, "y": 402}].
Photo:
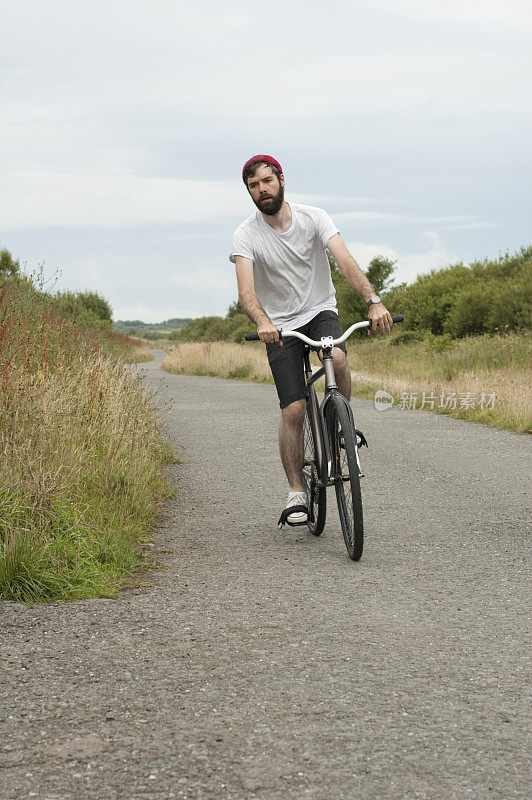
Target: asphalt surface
[{"x": 265, "y": 664}]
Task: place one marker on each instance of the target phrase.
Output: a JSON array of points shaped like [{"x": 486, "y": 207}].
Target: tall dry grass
[
  {"x": 139, "y": 349},
  {"x": 441, "y": 366},
  {"x": 81, "y": 455},
  {"x": 219, "y": 360},
  {"x": 434, "y": 365}
]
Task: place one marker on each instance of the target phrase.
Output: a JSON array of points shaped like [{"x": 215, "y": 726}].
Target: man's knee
[
  {"x": 339, "y": 360},
  {"x": 294, "y": 413}
]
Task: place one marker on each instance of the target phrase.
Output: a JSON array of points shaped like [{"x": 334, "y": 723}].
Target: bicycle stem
[{"x": 330, "y": 378}]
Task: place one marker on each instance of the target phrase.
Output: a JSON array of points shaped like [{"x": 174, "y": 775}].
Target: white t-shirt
[{"x": 291, "y": 270}]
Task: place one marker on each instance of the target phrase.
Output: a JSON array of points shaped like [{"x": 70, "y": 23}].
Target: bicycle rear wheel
[
  {"x": 342, "y": 440},
  {"x": 317, "y": 495}
]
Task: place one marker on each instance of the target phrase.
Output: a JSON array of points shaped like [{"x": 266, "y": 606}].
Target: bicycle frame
[{"x": 317, "y": 412}]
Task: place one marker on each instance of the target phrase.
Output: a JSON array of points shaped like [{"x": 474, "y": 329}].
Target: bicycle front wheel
[
  {"x": 317, "y": 497},
  {"x": 346, "y": 476}
]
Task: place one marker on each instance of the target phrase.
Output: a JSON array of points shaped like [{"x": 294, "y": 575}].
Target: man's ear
[{"x": 281, "y": 180}]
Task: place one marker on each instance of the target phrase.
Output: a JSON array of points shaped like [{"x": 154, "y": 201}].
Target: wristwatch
[{"x": 374, "y": 299}]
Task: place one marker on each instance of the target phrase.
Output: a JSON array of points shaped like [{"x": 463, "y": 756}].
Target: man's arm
[
  {"x": 249, "y": 301},
  {"x": 377, "y": 312}
]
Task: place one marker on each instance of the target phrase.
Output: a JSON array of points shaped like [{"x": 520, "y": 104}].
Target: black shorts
[{"x": 286, "y": 361}]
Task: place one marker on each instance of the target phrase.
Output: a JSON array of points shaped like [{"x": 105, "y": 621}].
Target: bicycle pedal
[{"x": 361, "y": 439}]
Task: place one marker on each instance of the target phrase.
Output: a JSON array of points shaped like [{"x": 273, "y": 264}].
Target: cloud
[
  {"x": 364, "y": 252},
  {"x": 49, "y": 199},
  {"x": 369, "y": 216},
  {"x": 489, "y": 12},
  {"x": 214, "y": 279},
  {"x": 326, "y": 199},
  {"x": 433, "y": 254},
  {"x": 471, "y": 226},
  {"x": 136, "y": 73},
  {"x": 451, "y": 222},
  {"x": 54, "y": 199}
]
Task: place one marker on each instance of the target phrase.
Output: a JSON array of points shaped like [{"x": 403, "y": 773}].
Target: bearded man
[{"x": 284, "y": 281}]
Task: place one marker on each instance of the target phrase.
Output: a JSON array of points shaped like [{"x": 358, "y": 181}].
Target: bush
[
  {"x": 405, "y": 337},
  {"x": 215, "y": 329},
  {"x": 9, "y": 267},
  {"x": 439, "y": 344},
  {"x": 86, "y": 309},
  {"x": 512, "y": 307},
  {"x": 243, "y": 372},
  {"x": 488, "y": 296},
  {"x": 470, "y": 311},
  {"x": 494, "y": 306},
  {"x": 96, "y": 304}
]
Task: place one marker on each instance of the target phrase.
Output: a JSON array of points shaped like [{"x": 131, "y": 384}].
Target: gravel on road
[{"x": 261, "y": 663}]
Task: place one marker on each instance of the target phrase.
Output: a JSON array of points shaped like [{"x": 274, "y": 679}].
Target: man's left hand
[{"x": 380, "y": 318}]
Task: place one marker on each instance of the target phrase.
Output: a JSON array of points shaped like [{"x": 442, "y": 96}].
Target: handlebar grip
[
  {"x": 395, "y": 318},
  {"x": 252, "y": 337}
]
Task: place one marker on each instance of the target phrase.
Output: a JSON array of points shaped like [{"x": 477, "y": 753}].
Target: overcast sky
[{"x": 124, "y": 127}]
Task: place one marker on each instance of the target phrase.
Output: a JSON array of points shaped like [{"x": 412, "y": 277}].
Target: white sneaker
[{"x": 299, "y": 516}]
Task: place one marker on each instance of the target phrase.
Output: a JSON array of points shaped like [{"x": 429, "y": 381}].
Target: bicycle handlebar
[{"x": 254, "y": 337}]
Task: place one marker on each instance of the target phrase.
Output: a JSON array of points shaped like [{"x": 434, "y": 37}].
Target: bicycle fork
[{"x": 318, "y": 413}]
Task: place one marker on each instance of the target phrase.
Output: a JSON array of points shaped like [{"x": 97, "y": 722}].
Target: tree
[
  {"x": 380, "y": 272},
  {"x": 234, "y": 309},
  {"x": 9, "y": 268},
  {"x": 89, "y": 309},
  {"x": 351, "y": 307},
  {"x": 94, "y": 302}
]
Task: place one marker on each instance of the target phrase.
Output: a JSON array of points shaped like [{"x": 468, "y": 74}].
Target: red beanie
[{"x": 267, "y": 159}]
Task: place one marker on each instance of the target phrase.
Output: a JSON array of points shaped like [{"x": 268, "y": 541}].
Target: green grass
[
  {"x": 439, "y": 356},
  {"x": 83, "y": 464}
]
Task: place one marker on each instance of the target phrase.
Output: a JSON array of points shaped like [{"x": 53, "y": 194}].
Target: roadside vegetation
[
  {"x": 464, "y": 347},
  {"x": 482, "y": 379},
  {"x": 149, "y": 330},
  {"x": 82, "y": 460}
]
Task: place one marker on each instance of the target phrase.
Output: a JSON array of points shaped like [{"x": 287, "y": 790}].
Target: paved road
[{"x": 263, "y": 663}]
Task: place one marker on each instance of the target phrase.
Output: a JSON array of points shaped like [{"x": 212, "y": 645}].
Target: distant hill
[{"x": 139, "y": 327}]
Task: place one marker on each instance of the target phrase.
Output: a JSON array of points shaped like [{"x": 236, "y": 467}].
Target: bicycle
[{"x": 331, "y": 444}]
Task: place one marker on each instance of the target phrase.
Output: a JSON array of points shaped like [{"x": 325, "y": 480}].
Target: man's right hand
[{"x": 268, "y": 332}]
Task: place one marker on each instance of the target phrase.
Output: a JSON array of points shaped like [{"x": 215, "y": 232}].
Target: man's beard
[{"x": 271, "y": 207}]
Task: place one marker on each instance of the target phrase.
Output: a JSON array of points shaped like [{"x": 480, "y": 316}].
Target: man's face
[{"x": 266, "y": 190}]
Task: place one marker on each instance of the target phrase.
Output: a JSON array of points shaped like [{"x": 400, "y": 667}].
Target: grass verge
[{"x": 82, "y": 459}]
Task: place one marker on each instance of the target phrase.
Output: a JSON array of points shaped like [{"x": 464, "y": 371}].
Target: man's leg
[
  {"x": 342, "y": 372},
  {"x": 291, "y": 443},
  {"x": 326, "y": 323},
  {"x": 286, "y": 363}
]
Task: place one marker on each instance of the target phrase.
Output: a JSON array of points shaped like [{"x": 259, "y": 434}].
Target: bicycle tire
[
  {"x": 317, "y": 495},
  {"x": 342, "y": 440}
]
